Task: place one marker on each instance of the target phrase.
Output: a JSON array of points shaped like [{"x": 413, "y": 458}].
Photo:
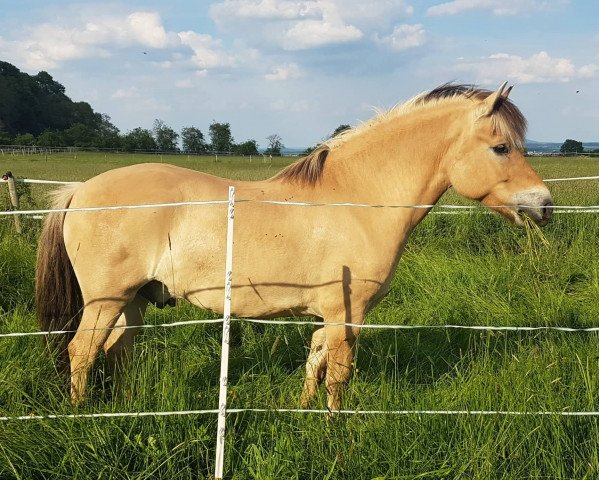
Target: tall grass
[{"x": 469, "y": 270}]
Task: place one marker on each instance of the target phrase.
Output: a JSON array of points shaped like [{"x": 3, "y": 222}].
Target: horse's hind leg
[
  {"x": 119, "y": 345},
  {"x": 316, "y": 366},
  {"x": 99, "y": 316}
]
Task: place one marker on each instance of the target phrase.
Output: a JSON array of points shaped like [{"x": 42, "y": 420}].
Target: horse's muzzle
[{"x": 538, "y": 206}]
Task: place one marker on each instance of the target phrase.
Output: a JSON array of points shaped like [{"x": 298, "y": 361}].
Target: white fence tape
[
  {"x": 43, "y": 182},
  {"x": 62, "y": 182},
  {"x": 492, "y": 328},
  {"x": 561, "y": 413},
  {"x": 419, "y": 327},
  {"x": 113, "y": 207},
  {"x": 451, "y": 208},
  {"x": 566, "y": 179},
  {"x": 116, "y": 327}
]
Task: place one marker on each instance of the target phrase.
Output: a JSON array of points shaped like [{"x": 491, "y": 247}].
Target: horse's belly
[{"x": 252, "y": 299}]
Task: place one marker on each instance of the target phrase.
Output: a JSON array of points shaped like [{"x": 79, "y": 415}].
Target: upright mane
[
  {"x": 507, "y": 120},
  {"x": 307, "y": 170}
]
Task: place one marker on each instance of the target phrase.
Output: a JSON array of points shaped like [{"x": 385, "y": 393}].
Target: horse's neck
[{"x": 395, "y": 163}]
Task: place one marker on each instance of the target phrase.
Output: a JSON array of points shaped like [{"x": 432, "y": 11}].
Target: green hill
[{"x": 38, "y": 103}]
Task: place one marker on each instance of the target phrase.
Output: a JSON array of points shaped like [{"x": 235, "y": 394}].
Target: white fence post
[
  {"x": 14, "y": 197},
  {"x": 224, "y": 359}
]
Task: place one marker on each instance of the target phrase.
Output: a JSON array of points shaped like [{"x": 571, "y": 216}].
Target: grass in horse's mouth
[{"x": 535, "y": 239}]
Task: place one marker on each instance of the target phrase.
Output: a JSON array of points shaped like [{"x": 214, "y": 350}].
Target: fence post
[
  {"x": 14, "y": 198},
  {"x": 224, "y": 359}
]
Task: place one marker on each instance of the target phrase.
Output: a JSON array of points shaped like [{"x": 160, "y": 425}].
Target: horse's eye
[{"x": 501, "y": 149}]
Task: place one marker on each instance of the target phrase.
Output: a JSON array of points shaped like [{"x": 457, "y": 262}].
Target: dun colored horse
[{"x": 99, "y": 269}]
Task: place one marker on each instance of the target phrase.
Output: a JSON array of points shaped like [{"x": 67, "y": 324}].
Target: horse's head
[{"x": 486, "y": 161}]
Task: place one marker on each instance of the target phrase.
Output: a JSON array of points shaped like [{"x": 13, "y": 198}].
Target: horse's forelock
[{"x": 508, "y": 121}]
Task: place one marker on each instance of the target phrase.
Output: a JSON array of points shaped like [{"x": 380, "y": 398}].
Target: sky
[{"x": 301, "y": 68}]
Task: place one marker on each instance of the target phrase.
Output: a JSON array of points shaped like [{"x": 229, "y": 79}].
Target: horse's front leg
[
  {"x": 316, "y": 366},
  {"x": 340, "y": 342}
]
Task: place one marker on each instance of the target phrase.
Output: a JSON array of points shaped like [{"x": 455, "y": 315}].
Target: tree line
[
  {"x": 34, "y": 110},
  {"x": 575, "y": 146},
  {"x": 160, "y": 138}
]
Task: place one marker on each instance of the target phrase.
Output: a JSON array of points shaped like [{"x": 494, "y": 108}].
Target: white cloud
[
  {"x": 146, "y": 28},
  {"x": 317, "y": 33},
  {"x": 293, "y": 106},
  {"x": 235, "y": 10},
  {"x": 360, "y": 11},
  {"x": 300, "y": 25},
  {"x": 373, "y": 13},
  {"x": 207, "y": 52},
  {"x": 186, "y": 83},
  {"x": 93, "y": 35},
  {"x": 538, "y": 68},
  {"x": 498, "y": 7},
  {"x": 404, "y": 37},
  {"x": 284, "y": 72},
  {"x": 48, "y": 45},
  {"x": 122, "y": 93}
]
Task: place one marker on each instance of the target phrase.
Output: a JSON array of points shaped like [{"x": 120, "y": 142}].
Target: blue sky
[{"x": 299, "y": 68}]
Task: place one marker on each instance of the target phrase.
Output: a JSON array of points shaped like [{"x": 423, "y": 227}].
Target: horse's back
[{"x": 148, "y": 182}]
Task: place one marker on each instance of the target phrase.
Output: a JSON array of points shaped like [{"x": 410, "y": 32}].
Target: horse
[{"x": 100, "y": 269}]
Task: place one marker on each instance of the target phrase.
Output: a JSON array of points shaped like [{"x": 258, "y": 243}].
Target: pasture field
[{"x": 470, "y": 269}]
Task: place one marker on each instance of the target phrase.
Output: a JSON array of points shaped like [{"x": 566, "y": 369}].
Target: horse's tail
[{"x": 58, "y": 295}]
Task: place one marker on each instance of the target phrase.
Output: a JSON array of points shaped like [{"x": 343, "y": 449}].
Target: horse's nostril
[{"x": 547, "y": 209}]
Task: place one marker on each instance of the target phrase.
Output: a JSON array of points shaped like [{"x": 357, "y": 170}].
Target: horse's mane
[{"x": 507, "y": 120}]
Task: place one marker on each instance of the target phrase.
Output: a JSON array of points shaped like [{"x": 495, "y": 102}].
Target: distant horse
[{"x": 99, "y": 269}]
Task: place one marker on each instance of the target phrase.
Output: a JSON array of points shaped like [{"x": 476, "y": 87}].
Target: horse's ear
[
  {"x": 492, "y": 100},
  {"x": 507, "y": 92}
]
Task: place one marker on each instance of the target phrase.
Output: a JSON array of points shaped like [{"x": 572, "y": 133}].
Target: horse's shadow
[
  {"x": 407, "y": 357},
  {"x": 273, "y": 357}
]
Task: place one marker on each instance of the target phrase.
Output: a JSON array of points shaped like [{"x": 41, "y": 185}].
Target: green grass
[{"x": 469, "y": 270}]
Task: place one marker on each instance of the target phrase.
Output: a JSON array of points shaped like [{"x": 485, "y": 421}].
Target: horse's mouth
[{"x": 539, "y": 215}]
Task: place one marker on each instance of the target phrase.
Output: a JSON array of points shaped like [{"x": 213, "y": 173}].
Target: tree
[
  {"x": 220, "y": 137},
  {"x": 339, "y": 129},
  {"x": 192, "y": 140},
  {"x": 139, "y": 139},
  {"x": 25, "y": 139},
  {"x": 49, "y": 138},
  {"x": 5, "y": 138},
  {"x": 47, "y": 84},
  {"x": 275, "y": 144},
  {"x": 108, "y": 135},
  {"x": 249, "y": 147},
  {"x": 79, "y": 135},
  {"x": 571, "y": 146},
  {"x": 165, "y": 137},
  {"x": 37, "y": 103}
]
